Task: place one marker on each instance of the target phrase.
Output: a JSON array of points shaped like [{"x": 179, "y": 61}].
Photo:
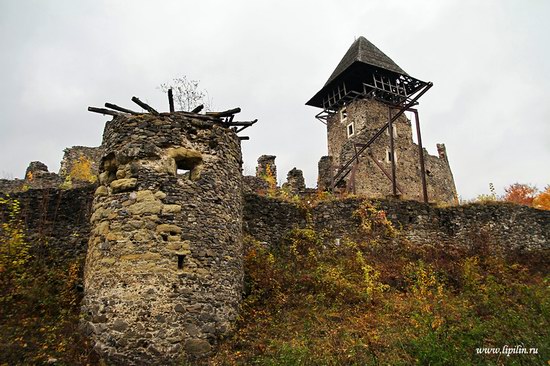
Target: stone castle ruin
[
  {"x": 164, "y": 272},
  {"x": 161, "y": 207},
  {"x": 364, "y": 99}
]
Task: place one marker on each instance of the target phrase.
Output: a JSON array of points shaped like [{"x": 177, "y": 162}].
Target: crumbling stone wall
[
  {"x": 140, "y": 307},
  {"x": 507, "y": 225},
  {"x": 37, "y": 176},
  {"x": 163, "y": 275},
  {"x": 270, "y": 219},
  {"x": 295, "y": 182},
  {"x": 266, "y": 163},
  {"x": 252, "y": 184},
  {"x": 75, "y": 154},
  {"x": 367, "y": 117},
  {"x": 55, "y": 220},
  {"x": 325, "y": 172}
]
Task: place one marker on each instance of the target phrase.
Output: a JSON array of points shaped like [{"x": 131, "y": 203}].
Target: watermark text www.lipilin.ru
[{"x": 507, "y": 350}]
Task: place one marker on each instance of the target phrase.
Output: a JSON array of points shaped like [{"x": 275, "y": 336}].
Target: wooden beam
[
  {"x": 145, "y": 106},
  {"x": 103, "y": 111},
  {"x": 120, "y": 109},
  {"x": 248, "y": 124},
  {"x": 197, "y": 109},
  {"x": 392, "y": 154},
  {"x": 171, "y": 100},
  {"x": 224, "y": 113},
  {"x": 388, "y": 175},
  {"x": 194, "y": 115},
  {"x": 239, "y": 123},
  {"x": 244, "y": 138}
]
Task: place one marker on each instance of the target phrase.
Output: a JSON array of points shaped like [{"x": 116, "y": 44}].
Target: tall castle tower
[
  {"x": 370, "y": 145},
  {"x": 163, "y": 273}
]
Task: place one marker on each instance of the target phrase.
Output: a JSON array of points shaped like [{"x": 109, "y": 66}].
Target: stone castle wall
[
  {"x": 367, "y": 117},
  {"x": 509, "y": 226},
  {"x": 506, "y": 225},
  {"x": 56, "y": 221},
  {"x": 269, "y": 220},
  {"x": 163, "y": 275},
  {"x": 37, "y": 175},
  {"x": 76, "y": 154}
]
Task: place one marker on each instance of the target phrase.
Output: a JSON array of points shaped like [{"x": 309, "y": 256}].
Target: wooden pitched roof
[
  {"x": 358, "y": 64},
  {"x": 362, "y": 50}
]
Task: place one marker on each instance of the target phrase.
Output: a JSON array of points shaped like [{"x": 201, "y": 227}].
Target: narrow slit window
[
  {"x": 181, "y": 258},
  {"x": 351, "y": 130},
  {"x": 389, "y": 156},
  {"x": 343, "y": 114},
  {"x": 394, "y": 127}
]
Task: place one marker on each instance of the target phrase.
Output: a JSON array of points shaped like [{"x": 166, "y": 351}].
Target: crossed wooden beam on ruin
[
  {"x": 349, "y": 166},
  {"x": 224, "y": 117}
]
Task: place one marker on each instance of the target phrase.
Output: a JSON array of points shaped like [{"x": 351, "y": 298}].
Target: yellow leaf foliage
[
  {"x": 270, "y": 178},
  {"x": 82, "y": 170},
  {"x": 14, "y": 251}
]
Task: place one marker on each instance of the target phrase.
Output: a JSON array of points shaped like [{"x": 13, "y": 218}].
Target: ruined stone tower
[
  {"x": 163, "y": 273},
  {"x": 364, "y": 99}
]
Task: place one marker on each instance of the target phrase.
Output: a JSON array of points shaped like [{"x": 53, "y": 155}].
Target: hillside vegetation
[
  {"x": 385, "y": 301},
  {"x": 315, "y": 301}
]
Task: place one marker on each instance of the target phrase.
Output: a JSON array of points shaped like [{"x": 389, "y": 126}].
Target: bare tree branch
[{"x": 187, "y": 94}]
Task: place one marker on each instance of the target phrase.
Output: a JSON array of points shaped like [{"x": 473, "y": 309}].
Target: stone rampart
[
  {"x": 507, "y": 225},
  {"x": 56, "y": 220}
]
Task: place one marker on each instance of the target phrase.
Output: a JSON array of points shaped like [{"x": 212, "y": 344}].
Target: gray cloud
[{"x": 487, "y": 61}]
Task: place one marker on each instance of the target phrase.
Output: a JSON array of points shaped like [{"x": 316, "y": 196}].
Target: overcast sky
[{"x": 488, "y": 60}]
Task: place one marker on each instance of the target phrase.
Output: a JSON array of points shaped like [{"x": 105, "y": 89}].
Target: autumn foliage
[
  {"x": 82, "y": 170},
  {"x": 522, "y": 194},
  {"x": 542, "y": 201}
]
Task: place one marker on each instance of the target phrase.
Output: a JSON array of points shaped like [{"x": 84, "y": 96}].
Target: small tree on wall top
[
  {"x": 542, "y": 201},
  {"x": 522, "y": 194},
  {"x": 187, "y": 94}
]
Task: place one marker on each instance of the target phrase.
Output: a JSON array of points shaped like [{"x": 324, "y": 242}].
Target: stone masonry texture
[
  {"x": 508, "y": 226},
  {"x": 37, "y": 176},
  {"x": 163, "y": 275},
  {"x": 295, "y": 182},
  {"x": 366, "y": 117},
  {"x": 325, "y": 172},
  {"x": 73, "y": 154},
  {"x": 265, "y": 163},
  {"x": 56, "y": 220}
]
